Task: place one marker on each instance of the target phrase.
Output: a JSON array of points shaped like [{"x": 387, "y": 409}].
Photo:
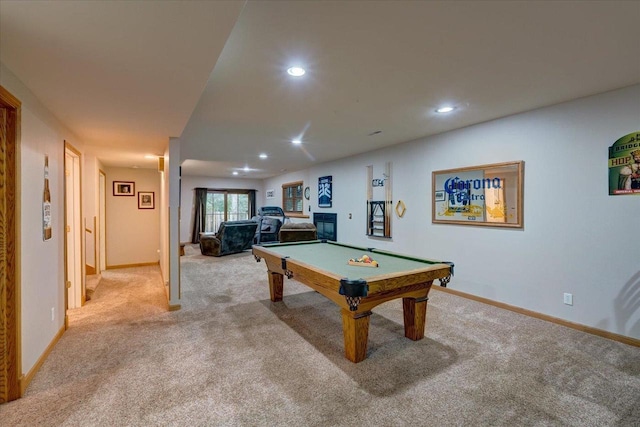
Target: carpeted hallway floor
[{"x": 230, "y": 357}]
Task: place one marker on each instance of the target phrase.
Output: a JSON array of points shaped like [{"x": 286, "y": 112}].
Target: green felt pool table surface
[{"x": 334, "y": 257}]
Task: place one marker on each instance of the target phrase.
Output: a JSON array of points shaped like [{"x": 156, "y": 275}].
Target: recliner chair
[{"x": 232, "y": 237}]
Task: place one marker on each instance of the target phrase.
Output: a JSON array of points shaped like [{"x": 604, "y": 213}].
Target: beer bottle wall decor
[{"x": 46, "y": 203}]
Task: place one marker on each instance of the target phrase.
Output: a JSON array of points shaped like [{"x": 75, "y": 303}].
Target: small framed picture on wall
[
  {"x": 124, "y": 188},
  {"x": 146, "y": 200}
]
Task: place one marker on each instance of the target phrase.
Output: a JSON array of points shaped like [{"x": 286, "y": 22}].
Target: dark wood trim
[
  {"x": 577, "y": 326},
  {"x": 10, "y": 345}
]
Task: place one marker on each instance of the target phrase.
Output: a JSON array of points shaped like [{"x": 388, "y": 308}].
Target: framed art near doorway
[
  {"x": 124, "y": 188},
  {"x": 146, "y": 200}
]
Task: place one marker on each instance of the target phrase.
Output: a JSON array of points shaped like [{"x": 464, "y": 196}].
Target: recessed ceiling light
[
  {"x": 446, "y": 109},
  {"x": 263, "y": 156},
  {"x": 246, "y": 169},
  {"x": 235, "y": 172},
  {"x": 296, "y": 71},
  {"x": 296, "y": 141}
]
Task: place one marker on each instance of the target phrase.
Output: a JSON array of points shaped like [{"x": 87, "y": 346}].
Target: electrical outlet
[
  {"x": 568, "y": 299},
  {"x": 53, "y": 314}
]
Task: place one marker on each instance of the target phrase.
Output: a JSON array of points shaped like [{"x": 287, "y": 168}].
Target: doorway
[
  {"x": 73, "y": 226},
  {"x": 102, "y": 227},
  {"x": 10, "y": 363}
]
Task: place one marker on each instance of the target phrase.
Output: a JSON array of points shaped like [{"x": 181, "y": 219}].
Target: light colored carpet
[
  {"x": 91, "y": 282},
  {"x": 231, "y": 357}
]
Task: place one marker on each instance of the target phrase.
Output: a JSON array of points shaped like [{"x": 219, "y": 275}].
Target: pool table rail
[{"x": 349, "y": 293}]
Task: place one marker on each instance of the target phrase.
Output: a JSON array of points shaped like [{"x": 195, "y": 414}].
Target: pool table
[{"x": 324, "y": 267}]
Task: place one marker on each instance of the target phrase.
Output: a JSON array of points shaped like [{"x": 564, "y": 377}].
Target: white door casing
[{"x": 73, "y": 226}]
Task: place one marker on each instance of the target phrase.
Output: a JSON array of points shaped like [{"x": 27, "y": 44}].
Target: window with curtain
[
  {"x": 213, "y": 206},
  {"x": 225, "y": 206},
  {"x": 292, "y": 197}
]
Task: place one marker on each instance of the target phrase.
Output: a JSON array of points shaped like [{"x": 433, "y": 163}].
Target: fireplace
[{"x": 326, "y": 225}]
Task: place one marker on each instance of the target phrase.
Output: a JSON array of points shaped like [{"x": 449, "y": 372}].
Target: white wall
[
  {"x": 133, "y": 235},
  {"x": 189, "y": 183},
  {"x": 41, "y": 263},
  {"x": 576, "y": 238}
]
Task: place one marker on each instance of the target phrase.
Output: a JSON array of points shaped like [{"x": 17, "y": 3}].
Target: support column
[{"x": 173, "y": 217}]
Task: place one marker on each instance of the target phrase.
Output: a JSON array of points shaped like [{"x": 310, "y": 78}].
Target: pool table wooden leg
[
  {"x": 415, "y": 316},
  {"x": 275, "y": 286},
  {"x": 356, "y": 334}
]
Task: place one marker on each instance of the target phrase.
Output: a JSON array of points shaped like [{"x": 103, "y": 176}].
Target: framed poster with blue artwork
[{"x": 324, "y": 192}]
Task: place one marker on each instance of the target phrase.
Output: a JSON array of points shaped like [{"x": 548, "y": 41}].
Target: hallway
[{"x": 97, "y": 354}]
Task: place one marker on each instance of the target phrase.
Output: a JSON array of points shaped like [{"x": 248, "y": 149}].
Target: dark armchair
[{"x": 232, "y": 237}]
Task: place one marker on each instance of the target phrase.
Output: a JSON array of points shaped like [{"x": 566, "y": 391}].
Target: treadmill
[{"x": 269, "y": 219}]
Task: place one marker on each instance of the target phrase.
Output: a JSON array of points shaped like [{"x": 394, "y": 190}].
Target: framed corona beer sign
[{"x": 487, "y": 195}]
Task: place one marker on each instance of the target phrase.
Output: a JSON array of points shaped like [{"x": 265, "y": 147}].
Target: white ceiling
[{"x": 126, "y": 76}]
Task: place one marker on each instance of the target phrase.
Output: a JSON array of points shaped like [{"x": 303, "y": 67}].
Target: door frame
[
  {"x": 10, "y": 351},
  {"x": 101, "y": 262},
  {"x": 76, "y": 228}
]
